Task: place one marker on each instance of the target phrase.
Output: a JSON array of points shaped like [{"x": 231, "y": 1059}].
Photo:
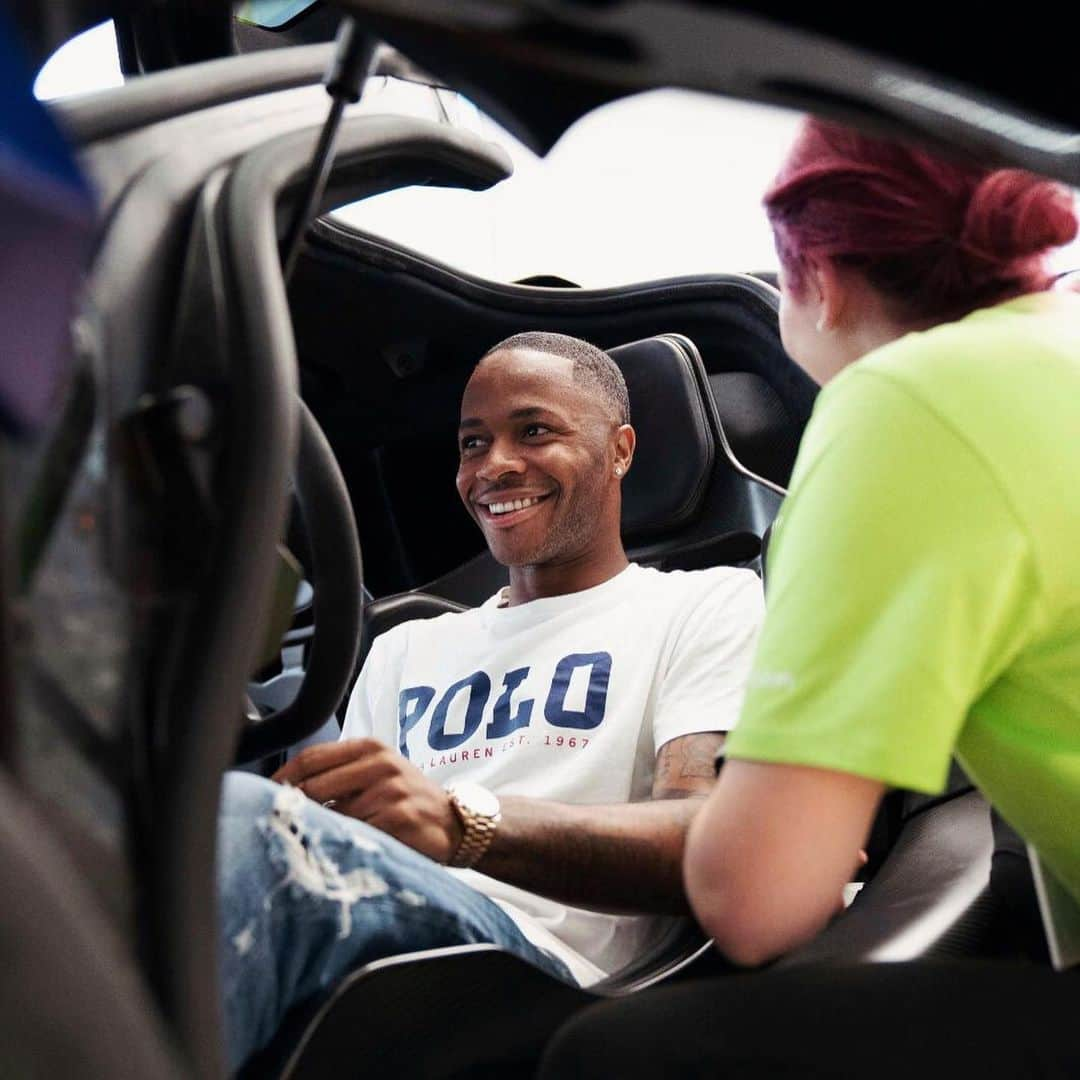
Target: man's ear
[
  {"x": 625, "y": 441},
  {"x": 829, "y": 290}
]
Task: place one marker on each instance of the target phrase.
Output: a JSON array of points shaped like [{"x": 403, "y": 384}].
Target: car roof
[{"x": 538, "y": 67}]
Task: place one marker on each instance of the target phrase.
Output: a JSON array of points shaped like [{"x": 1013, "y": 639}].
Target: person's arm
[
  {"x": 768, "y": 856},
  {"x": 614, "y": 858}
]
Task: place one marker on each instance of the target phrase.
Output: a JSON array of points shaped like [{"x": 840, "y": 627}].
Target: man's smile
[{"x": 503, "y": 511}]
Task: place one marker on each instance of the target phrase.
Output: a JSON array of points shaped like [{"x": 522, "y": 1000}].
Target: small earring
[
  {"x": 821, "y": 324},
  {"x": 618, "y": 470}
]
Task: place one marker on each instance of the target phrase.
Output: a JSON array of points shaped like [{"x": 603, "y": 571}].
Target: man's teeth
[{"x": 515, "y": 504}]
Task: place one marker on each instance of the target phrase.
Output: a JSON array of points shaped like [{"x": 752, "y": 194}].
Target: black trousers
[{"x": 873, "y": 1021}]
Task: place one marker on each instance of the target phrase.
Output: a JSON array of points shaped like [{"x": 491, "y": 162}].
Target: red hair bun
[
  {"x": 937, "y": 237},
  {"x": 1015, "y": 215}
]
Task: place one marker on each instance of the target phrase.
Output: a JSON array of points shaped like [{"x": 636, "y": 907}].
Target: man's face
[{"x": 536, "y": 458}]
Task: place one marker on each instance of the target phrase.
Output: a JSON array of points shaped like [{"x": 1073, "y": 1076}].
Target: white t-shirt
[{"x": 567, "y": 698}]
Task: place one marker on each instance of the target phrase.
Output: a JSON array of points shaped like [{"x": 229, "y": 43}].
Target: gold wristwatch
[{"x": 478, "y": 810}]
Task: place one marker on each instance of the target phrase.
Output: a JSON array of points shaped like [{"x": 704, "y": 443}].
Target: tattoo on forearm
[{"x": 685, "y": 767}]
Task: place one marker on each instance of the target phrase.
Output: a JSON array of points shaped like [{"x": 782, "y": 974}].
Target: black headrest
[{"x": 676, "y": 447}]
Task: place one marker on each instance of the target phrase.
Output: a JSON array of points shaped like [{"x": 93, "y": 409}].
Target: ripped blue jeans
[{"x": 307, "y": 895}]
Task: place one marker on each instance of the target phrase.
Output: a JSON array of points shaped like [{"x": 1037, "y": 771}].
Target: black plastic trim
[
  {"x": 216, "y": 650},
  {"x": 706, "y": 394},
  {"x": 149, "y": 99},
  {"x": 933, "y": 882},
  {"x": 337, "y": 579},
  {"x": 338, "y": 238},
  {"x": 529, "y": 66},
  {"x": 199, "y": 701}
]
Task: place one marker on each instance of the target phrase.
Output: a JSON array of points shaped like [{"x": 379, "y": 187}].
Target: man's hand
[
  {"x": 366, "y": 779},
  {"x": 622, "y": 857}
]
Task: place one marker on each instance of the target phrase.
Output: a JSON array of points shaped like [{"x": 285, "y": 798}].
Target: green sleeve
[{"x": 900, "y": 586}]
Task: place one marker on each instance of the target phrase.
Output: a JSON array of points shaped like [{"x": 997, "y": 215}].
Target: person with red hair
[{"x": 923, "y": 603}]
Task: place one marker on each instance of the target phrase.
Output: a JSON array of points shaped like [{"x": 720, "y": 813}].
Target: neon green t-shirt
[{"x": 924, "y": 576}]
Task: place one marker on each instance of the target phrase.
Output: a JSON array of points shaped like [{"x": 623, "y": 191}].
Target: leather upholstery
[
  {"x": 382, "y": 614},
  {"x": 687, "y": 502},
  {"x": 676, "y": 448}
]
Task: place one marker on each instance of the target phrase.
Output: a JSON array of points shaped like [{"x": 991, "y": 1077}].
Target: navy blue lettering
[
  {"x": 555, "y": 711},
  {"x": 412, "y": 704},
  {"x": 479, "y": 688},
  {"x": 502, "y": 723}
]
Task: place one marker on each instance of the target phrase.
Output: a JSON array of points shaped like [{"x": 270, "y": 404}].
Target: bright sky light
[
  {"x": 659, "y": 185},
  {"x": 88, "y": 62},
  {"x": 663, "y": 184}
]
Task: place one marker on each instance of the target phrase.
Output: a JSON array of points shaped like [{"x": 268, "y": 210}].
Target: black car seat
[{"x": 688, "y": 503}]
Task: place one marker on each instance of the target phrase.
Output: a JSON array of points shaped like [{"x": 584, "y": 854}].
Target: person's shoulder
[
  {"x": 888, "y": 393},
  {"x": 987, "y": 352},
  {"x": 715, "y": 586},
  {"x": 708, "y": 579},
  {"x": 449, "y": 624},
  {"x": 715, "y": 613},
  {"x": 978, "y": 381}
]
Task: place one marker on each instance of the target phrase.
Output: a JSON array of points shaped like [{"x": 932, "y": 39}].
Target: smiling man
[{"x": 522, "y": 773}]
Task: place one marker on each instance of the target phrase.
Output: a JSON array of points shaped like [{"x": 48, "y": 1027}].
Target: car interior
[{"x": 262, "y": 482}]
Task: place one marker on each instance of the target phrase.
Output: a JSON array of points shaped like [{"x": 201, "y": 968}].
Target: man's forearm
[
  {"x": 624, "y": 857},
  {"x": 612, "y": 858}
]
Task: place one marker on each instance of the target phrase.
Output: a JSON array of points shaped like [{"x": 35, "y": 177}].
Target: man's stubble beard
[{"x": 575, "y": 530}]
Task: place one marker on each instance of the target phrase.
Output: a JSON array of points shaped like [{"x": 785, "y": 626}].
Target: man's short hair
[{"x": 592, "y": 366}]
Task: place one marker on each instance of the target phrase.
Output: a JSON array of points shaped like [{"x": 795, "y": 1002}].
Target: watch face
[{"x": 476, "y": 798}]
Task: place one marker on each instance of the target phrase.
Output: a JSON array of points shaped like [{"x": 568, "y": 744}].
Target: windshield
[{"x": 663, "y": 184}]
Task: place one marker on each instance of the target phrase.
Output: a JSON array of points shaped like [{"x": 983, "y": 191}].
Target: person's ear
[
  {"x": 625, "y": 441},
  {"x": 829, "y": 291}
]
